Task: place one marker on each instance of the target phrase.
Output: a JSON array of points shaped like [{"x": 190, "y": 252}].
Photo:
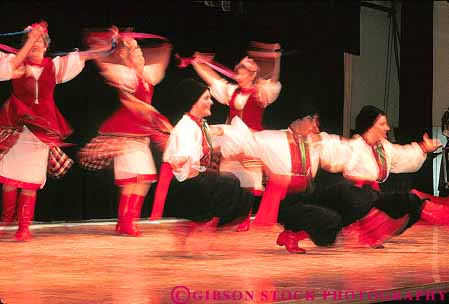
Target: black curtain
[
  {"x": 416, "y": 81},
  {"x": 314, "y": 36}
]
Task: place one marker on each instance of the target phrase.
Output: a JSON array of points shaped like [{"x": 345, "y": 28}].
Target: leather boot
[
  {"x": 275, "y": 191},
  {"x": 289, "y": 239},
  {"x": 436, "y": 199},
  {"x": 162, "y": 187},
  {"x": 136, "y": 207},
  {"x": 9, "y": 206},
  {"x": 25, "y": 216},
  {"x": 435, "y": 214},
  {"x": 244, "y": 226},
  {"x": 209, "y": 226},
  {"x": 125, "y": 216}
]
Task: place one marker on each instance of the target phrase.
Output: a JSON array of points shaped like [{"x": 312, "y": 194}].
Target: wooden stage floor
[{"x": 87, "y": 263}]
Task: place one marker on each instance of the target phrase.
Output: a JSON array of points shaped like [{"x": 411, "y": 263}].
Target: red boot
[
  {"x": 165, "y": 177},
  {"x": 301, "y": 235},
  {"x": 9, "y": 206},
  {"x": 282, "y": 237},
  {"x": 126, "y": 212},
  {"x": 136, "y": 207},
  {"x": 290, "y": 240},
  {"x": 25, "y": 216},
  {"x": 209, "y": 226},
  {"x": 435, "y": 214},
  {"x": 275, "y": 191},
  {"x": 244, "y": 226},
  {"x": 436, "y": 199}
]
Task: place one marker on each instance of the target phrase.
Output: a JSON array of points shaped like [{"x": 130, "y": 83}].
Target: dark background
[{"x": 314, "y": 35}]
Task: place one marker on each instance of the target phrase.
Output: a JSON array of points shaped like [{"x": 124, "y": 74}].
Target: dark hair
[
  {"x": 366, "y": 118},
  {"x": 185, "y": 95}
]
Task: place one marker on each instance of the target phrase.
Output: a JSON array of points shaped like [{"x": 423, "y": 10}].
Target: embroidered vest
[{"x": 252, "y": 112}]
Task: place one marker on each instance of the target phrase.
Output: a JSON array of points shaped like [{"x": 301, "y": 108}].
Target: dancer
[
  {"x": 198, "y": 193},
  {"x": 32, "y": 128},
  {"x": 376, "y": 215},
  {"x": 247, "y": 99},
  {"x": 124, "y": 138},
  {"x": 292, "y": 158}
]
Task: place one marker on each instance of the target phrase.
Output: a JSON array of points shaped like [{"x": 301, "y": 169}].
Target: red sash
[{"x": 300, "y": 159}]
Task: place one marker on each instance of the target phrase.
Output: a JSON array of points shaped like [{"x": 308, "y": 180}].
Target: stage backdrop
[{"x": 313, "y": 34}]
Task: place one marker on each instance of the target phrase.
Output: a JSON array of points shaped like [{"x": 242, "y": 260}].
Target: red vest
[
  {"x": 32, "y": 104},
  {"x": 252, "y": 112},
  {"x": 123, "y": 121}
]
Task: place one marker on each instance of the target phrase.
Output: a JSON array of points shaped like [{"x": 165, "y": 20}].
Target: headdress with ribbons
[
  {"x": 186, "y": 61},
  {"x": 155, "y": 123},
  {"x": 28, "y": 29},
  {"x": 43, "y": 24},
  {"x": 266, "y": 57},
  {"x": 154, "y": 54},
  {"x": 261, "y": 59}
]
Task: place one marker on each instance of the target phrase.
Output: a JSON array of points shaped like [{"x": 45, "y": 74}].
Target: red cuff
[{"x": 423, "y": 148}]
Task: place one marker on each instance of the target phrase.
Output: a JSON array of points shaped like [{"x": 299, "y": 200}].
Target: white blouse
[
  {"x": 125, "y": 78},
  {"x": 275, "y": 151},
  {"x": 185, "y": 141},
  {"x": 5, "y": 66},
  {"x": 354, "y": 157},
  {"x": 222, "y": 91},
  {"x": 273, "y": 148},
  {"x": 400, "y": 159},
  {"x": 66, "y": 68}
]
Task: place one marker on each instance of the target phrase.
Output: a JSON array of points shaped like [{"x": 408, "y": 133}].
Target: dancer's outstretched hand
[{"x": 429, "y": 144}]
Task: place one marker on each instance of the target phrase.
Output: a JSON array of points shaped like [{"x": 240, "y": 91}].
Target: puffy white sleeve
[
  {"x": 222, "y": 90},
  {"x": 405, "y": 158},
  {"x": 185, "y": 141},
  {"x": 335, "y": 153},
  {"x": 237, "y": 139},
  {"x": 274, "y": 151},
  {"x": 268, "y": 91},
  {"x": 5, "y": 66},
  {"x": 68, "y": 67},
  {"x": 154, "y": 73},
  {"x": 119, "y": 76}
]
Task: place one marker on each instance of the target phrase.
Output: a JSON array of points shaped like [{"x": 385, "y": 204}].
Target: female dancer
[
  {"x": 247, "y": 99},
  {"x": 358, "y": 198},
  {"x": 32, "y": 128},
  {"x": 124, "y": 138}
]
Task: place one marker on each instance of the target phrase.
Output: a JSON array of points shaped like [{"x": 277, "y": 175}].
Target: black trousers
[
  {"x": 299, "y": 212},
  {"x": 210, "y": 194},
  {"x": 353, "y": 203}
]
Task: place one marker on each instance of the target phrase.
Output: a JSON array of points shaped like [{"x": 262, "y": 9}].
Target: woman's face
[
  {"x": 38, "y": 50},
  {"x": 380, "y": 128},
  {"x": 202, "y": 107},
  {"x": 244, "y": 77},
  {"x": 134, "y": 56}
]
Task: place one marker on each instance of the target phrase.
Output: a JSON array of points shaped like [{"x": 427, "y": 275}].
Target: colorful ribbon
[
  {"x": 16, "y": 33},
  {"x": 141, "y": 36},
  {"x": 43, "y": 24},
  {"x": 14, "y": 50},
  {"x": 186, "y": 61},
  {"x": 8, "y": 48},
  {"x": 106, "y": 53}
]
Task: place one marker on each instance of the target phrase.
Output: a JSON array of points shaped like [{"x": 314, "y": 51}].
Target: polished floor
[{"x": 87, "y": 263}]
